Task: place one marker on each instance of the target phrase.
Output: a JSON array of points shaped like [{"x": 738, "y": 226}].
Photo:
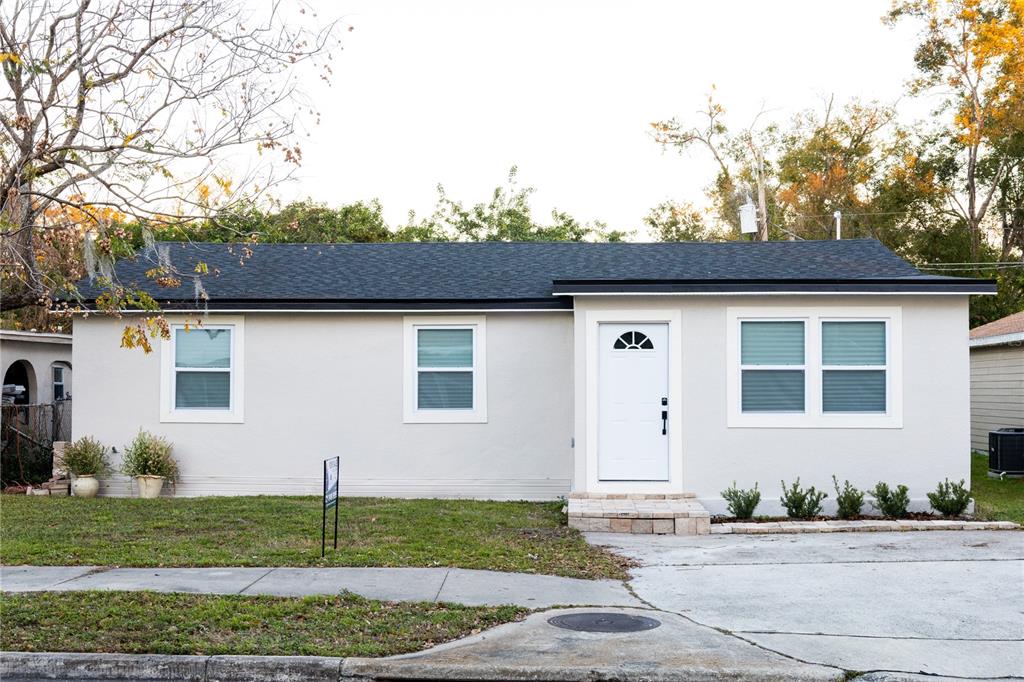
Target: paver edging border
[{"x": 859, "y": 526}]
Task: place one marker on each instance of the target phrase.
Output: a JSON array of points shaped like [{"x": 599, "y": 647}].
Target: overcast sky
[{"x": 457, "y": 92}]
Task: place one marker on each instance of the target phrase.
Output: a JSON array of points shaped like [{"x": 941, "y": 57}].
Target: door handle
[{"x": 664, "y": 417}]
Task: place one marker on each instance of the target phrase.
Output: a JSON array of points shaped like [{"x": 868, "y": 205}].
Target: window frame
[
  {"x": 768, "y": 368},
  {"x": 234, "y": 413},
  {"x": 412, "y": 413},
  {"x": 823, "y": 367},
  {"x": 814, "y": 415},
  {"x": 54, "y": 383}
]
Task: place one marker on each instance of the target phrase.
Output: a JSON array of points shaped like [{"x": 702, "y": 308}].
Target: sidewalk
[
  {"x": 677, "y": 650},
  {"x": 456, "y": 585}
]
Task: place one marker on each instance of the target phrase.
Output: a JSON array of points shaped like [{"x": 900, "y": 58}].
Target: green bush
[
  {"x": 149, "y": 455},
  {"x": 950, "y": 499},
  {"x": 892, "y": 503},
  {"x": 742, "y": 503},
  {"x": 849, "y": 500},
  {"x": 800, "y": 503},
  {"x": 86, "y": 457}
]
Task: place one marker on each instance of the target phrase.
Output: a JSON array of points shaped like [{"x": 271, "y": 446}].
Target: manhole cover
[{"x": 604, "y": 622}]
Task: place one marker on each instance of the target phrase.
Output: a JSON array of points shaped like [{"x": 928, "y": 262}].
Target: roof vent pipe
[{"x": 839, "y": 224}]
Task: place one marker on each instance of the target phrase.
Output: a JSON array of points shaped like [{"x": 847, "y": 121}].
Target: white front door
[{"x": 632, "y": 384}]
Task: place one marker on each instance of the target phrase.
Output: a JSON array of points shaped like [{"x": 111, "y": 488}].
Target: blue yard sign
[{"x": 332, "y": 476}]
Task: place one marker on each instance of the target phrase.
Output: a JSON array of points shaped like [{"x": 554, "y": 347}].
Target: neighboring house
[
  {"x": 40, "y": 363},
  {"x": 529, "y": 370},
  {"x": 997, "y": 378}
]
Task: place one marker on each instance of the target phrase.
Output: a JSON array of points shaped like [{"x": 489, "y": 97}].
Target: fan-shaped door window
[{"x": 633, "y": 341}]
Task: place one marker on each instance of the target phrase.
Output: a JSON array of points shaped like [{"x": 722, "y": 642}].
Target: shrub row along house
[{"x": 536, "y": 370}]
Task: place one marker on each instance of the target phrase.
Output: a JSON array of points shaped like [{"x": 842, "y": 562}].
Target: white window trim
[
  {"x": 235, "y": 414},
  {"x": 410, "y": 376},
  {"x": 54, "y": 383},
  {"x": 814, "y": 416}
]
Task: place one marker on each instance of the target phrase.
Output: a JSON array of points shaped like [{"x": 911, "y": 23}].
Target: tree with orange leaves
[
  {"x": 973, "y": 50},
  {"x": 117, "y": 111}
]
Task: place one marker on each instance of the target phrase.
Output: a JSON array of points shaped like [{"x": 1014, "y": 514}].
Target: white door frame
[{"x": 672, "y": 317}]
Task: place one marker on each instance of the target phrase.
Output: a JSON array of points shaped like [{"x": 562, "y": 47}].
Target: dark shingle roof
[{"x": 525, "y": 274}]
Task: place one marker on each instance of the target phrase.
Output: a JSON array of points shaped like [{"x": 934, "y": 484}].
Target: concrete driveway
[{"x": 947, "y": 603}]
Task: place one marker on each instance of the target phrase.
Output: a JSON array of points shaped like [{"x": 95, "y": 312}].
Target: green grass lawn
[
  {"x": 994, "y": 499},
  {"x": 147, "y": 622},
  {"x": 285, "y": 531}
]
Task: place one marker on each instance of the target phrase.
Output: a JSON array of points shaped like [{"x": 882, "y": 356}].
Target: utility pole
[{"x": 762, "y": 201}]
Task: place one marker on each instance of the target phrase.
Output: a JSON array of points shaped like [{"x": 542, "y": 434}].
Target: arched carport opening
[{"x": 21, "y": 373}]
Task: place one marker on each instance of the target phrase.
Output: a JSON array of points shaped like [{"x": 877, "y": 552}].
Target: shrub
[
  {"x": 149, "y": 455},
  {"x": 86, "y": 457},
  {"x": 849, "y": 500},
  {"x": 892, "y": 503},
  {"x": 742, "y": 503},
  {"x": 950, "y": 499},
  {"x": 800, "y": 503}
]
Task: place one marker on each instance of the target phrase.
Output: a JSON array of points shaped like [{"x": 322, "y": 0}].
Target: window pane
[
  {"x": 58, "y": 374},
  {"x": 445, "y": 347},
  {"x": 857, "y": 390},
  {"x": 202, "y": 348},
  {"x": 767, "y": 390},
  {"x": 203, "y": 389},
  {"x": 445, "y": 391},
  {"x": 772, "y": 343},
  {"x": 853, "y": 343}
]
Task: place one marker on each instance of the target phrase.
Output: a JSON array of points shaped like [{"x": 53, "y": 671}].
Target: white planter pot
[
  {"x": 149, "y": 486},
  {"x": 85, "y": 485}
]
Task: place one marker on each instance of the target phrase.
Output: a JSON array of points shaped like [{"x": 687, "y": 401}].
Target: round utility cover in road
[{"x": 603, "y": 622}]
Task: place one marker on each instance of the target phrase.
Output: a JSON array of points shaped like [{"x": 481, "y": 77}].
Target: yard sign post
[{"x": 332, "y": 468}]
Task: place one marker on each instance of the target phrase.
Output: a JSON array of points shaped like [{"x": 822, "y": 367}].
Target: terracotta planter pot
[
  {"x": 149, "y": 486},
  {"x": 85, "y": 485}
]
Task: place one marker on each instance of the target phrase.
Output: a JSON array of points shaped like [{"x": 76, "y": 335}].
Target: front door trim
[{"x": 672, "y": 317}]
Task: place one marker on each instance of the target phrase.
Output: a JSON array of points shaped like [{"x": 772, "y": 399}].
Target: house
[
  {"x": 38, "y": 363},
  {"x": 997, "y": 378},
  {"x": 536, "y": 370}
]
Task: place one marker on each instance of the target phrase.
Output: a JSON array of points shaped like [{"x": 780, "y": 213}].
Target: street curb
[
  {"x": 361, "y": 669},
  {"x": 167, "y": 668}
]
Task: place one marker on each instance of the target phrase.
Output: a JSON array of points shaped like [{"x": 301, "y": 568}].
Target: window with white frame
[
  {"x": 445, "y": 368},
  {"x": 773, "y": 365},
  {"x": 853, "y": 366},
  {"x": 814, "y": 367},
  {"x": 202, "y": 368},
  {"x": 202, "y": 373},
  {"x": 58, "y": 383}
]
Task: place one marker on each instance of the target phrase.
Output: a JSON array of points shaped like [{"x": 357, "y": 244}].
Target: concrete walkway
[
  {"x": 946, "y": 604},
  {"x": 458, "y": 585}
]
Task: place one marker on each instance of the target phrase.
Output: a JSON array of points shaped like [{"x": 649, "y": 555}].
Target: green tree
[{"x": 507, "y": 217}]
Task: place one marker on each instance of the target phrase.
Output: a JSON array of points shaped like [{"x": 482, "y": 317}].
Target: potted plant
[
  {"x": 85, "y": 459},
  {"x": 148, "y": 459}
]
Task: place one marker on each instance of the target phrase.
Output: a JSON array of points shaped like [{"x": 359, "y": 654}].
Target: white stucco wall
[
  {"x": 933, "y": 443},
  {"x": 41, "y": 352},
  {"x": 318, "y": 385}
]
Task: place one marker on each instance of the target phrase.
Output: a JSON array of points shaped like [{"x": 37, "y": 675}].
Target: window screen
[
  {"x": 202, "y": 369},
  {"x": 444, "y": 372},
  {"x": 772, "y": 358}
]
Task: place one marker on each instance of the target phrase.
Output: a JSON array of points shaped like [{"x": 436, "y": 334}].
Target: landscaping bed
[
  {"x": 528, "y": 537},
  {"x": 148, "y": 622}
]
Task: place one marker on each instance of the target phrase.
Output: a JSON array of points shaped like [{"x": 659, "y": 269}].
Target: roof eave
[{"x": 774, "y": 286}]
